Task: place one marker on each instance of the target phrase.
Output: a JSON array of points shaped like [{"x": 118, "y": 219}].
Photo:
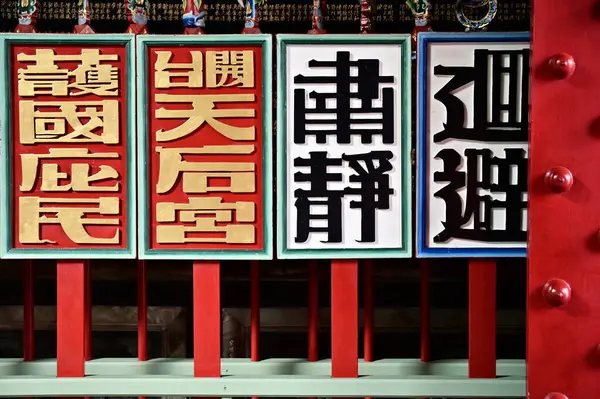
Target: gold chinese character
[
  {"x": 239, "y": 65},
  {"x": 80, "y": 172},
  {"x": 70, "y": 218},
  {"x": 196, "y": 175},
  {"x": 195, "y": 211},
  {"x": 91, "y": 76},
  {"x": 203, "y": 110},
  {"x": 192, "y": 72},
  {"x": 45, "y": 126}
]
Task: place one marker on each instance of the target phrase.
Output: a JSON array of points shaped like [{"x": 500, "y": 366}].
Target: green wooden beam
[
  {"x": 270, "y": 367},
  {"x": 274, "y": 386}
]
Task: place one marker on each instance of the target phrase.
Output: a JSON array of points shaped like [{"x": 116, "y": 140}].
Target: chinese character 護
[{"x": 90, "y": 77}]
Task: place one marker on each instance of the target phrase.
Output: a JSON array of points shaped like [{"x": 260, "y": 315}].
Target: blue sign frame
[{"x": 423, "y": 40}]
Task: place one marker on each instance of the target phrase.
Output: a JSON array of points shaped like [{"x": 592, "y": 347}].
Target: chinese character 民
[
  {"x": 210, "y": 216},
  {"x": 479, "y": 207},
  {"x": 343, "y": 125},
  {"x": 70, "y": 215},
  {"x": 80, "y": 172},
  {"x": 196, "y": 175},
  {"x": 61, "y": 122},
  {"x": 90, "y": 77},
  {"x": 373, "y": 192},
  {"x": 204, "y": 110},
  {"x": 500, "y": 106}
]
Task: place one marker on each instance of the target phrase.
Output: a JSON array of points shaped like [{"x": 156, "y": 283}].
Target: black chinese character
[
  {"x": 374, "y": 192},
  {"x": 319, "y": 194},
  {"x": 345, "y": 125},
  {"x": 500, "y": 107},
  {"x": 479, "y": 206}
]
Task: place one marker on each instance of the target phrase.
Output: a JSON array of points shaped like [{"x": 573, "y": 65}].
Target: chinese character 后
[
  {"x": 196, "y": 175},
  {"x": 477, "y": 207},
  {"x": 80, "y": 172},
  {"x": 237, "y": 65},
  {"x": 211, "y": 216},
  {"x": 204, "y": 111},
  {"x": 500, "y": 106},
  {"x": 368, "y": 83},
  {"x": 71, "y": 218},
  {"x": 192, "y": 72},
  {"x": 90, "y": 77},
  {"x": 374, "y": 192},
  {"x": 37, "y": 125}
]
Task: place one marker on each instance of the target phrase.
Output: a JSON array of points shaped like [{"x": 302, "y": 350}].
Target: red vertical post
[
  {"x": 207, "y": 318},
  {"x": 344, "y": 318},
  {"x": 425, "y": 310},
  {"x": 368, "y": 310},
  {"x": 88, "y": 311},
  {"x": 482, "y": 318},
  {"x": 313, "y": 311},
  {"x": 255, "y": 311},
  {"x": 142, "y": 305},
  {"x": 70, "y": 318},
  {"x": 28, "y": 311}
]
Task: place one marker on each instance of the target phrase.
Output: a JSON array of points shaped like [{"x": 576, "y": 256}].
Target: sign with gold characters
[
  {"x": 204, "y": 147},
  {"x": 68, "y": 146}
]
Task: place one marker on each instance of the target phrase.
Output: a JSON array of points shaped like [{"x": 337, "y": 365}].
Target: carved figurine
[
  {"x": 83, "y": 18},
  {"x": 194, "y": 16},
  {"x": 27, "y": 11},
  {"x": 137, "y": 15},
  {"x": 367, "y": 8},
  {"x": 251, "y": 24},
  {"x": 319, "y": 12},
  {"x": 420, "y": 11}
]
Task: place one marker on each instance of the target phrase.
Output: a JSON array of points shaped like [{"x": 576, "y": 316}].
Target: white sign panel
[
  {"x": 344, "y": 146},
  {"x": 473, "y": 132}
]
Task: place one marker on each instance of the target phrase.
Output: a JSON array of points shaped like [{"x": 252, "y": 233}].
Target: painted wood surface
[{"x": 562, "y": 340}]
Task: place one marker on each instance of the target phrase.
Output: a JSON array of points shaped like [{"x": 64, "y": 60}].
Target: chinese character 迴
[{"x": 500, "y": 106}]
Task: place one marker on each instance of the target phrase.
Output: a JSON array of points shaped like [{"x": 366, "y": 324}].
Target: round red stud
[
  {"x": 556, "y": 395},
  {"x": 559, "y": 179},
  {"x": 557, "y": 293},
  {"x": 562, "y": 65}
]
